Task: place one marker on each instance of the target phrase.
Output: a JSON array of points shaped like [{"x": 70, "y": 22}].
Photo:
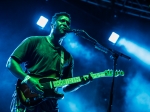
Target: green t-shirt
[{"x": 41, "y": 58}]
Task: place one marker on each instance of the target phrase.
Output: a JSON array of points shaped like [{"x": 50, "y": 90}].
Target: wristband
[{"x": 25, "y": 79}]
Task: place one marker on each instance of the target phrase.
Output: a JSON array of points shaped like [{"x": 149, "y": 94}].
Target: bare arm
[
  {"x": 16, "y": 69},
  {"x": 74, "y": 87},
  {"x": 71, "y": 87}
]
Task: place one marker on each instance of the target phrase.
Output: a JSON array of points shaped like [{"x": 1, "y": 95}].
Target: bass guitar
[{"x": 30, "y": 99}]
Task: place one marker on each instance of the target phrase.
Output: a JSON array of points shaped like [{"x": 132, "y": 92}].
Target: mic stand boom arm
[{"x": 114, "y": 55}]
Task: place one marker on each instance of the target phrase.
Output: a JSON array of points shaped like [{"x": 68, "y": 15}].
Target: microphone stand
[{"x": 114, "y": 55}]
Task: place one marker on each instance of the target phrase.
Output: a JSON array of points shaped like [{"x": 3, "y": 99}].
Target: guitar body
[{"x": 31, "y": 99}]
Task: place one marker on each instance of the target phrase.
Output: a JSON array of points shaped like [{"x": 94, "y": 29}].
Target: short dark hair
[{"x": 57, "y": 15}]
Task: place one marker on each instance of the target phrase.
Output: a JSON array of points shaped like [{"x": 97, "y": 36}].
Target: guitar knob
[{"x": 27, "y": 100}]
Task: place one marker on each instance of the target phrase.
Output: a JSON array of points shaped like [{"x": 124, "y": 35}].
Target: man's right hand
[{"x": 35, "y": 86}]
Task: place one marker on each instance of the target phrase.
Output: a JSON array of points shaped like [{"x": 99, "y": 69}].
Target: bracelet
[{"x": 25, "y": 79}]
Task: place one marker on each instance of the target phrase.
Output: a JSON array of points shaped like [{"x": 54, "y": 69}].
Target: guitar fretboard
[{"x": 73, "y": 80}]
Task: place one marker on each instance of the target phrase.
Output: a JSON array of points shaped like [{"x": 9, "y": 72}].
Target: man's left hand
[{"x": 86, "y": 80}]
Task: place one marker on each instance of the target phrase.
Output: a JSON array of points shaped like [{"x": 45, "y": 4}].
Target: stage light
[
  {"x": 42, "y": 21},
  {"x": 113, "y": 37}
]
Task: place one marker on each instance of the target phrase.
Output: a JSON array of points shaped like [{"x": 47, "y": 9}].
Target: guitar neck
[{"x": 73, "y": 80}]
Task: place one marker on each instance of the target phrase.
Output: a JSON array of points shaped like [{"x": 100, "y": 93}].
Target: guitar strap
[{"x": 61, "y": 62}]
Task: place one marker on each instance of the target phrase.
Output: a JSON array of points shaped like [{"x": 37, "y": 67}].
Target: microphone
[{"x": 74, "y": 30}]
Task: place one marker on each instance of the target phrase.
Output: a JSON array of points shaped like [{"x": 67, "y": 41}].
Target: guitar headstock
[{"x": 109, "y": 73}]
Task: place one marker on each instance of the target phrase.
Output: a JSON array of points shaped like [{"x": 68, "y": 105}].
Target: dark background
[{"x": 131, "y": 20}]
